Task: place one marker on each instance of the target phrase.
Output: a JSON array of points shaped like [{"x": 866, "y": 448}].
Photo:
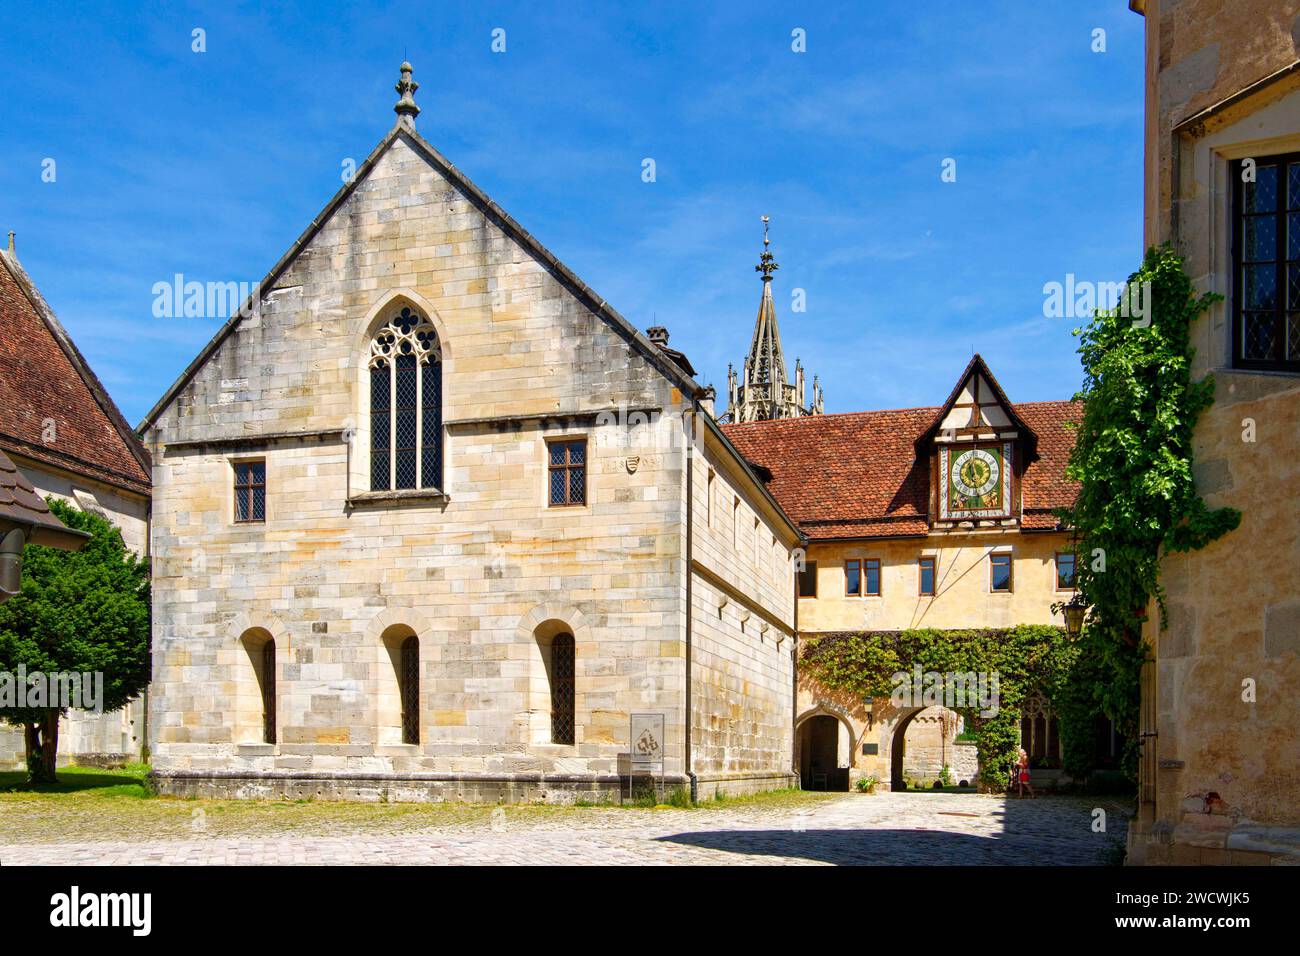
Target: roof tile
[
  {"x": 857, "y": 475},
  {"x": 40, "y": 379}
]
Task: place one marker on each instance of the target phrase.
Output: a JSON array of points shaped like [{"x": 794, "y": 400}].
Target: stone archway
[
  {"x": 824, "y": 741},
  {"x": 934, "y": 737},
  {"x": 898, "y": 748}
]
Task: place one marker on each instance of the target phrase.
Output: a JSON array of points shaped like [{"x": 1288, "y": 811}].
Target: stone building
[
  {"x": 936, "y": 517},
  {"x": 1220, "y": 767},
  {"x": 432, "y": 520},
  {"x": 764, "y": 391},
  {"x": 62, "y": 430}
]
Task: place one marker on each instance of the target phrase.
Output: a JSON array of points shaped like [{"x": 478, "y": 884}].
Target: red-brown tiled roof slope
[
  {"x": 857, "y": 475},
  {"x": 21, "y": 506},
  {"x": 43, "y": 376}
]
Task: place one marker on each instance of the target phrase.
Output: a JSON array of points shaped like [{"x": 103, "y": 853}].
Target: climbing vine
[
  {"x": 1133, "y": 460},
  {"x": 1026, "y": 659}
]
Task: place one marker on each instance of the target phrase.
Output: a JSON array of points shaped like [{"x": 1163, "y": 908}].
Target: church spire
[{"x": 764, "y": 392}]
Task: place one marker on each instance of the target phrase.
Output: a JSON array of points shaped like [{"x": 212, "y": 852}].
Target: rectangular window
[
  {"x": 871, "y": 571},
  {"x": 567, "y": 466},
  {"x": 926, "y": 582},
  {"x": 1266, "y": 264},
  {"x": 735, "y": 524},
  {"x": 853, "y": 578},
  {"x": 808, "y": 580},
  {"x": 1065, "y": 571},
  {"x": 708, "y": 502},
  {"x": 999, "y": 572},
  {"x": 250, "y": 491}
]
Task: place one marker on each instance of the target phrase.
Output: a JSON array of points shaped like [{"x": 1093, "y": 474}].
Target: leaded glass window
[
  {"x": 1266, "y": 263},
  {"x": 567, "y": 472},
  {"x": 250, "y": 491},
  {"x": 563, "y": 666},
  {"x": 405, "y": 404}
]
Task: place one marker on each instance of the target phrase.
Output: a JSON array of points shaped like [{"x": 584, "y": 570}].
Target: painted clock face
[
  {"x": 975, "y": 482},
  {"x": 975, "y": 473}
]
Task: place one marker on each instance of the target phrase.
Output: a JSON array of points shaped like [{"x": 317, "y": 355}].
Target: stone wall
[
  {"x": 1220, "y": 782},
  {"x": 484, "y": 575},
  {"x": 928, "y": 749},
  {"x": 742, "y": 634}
]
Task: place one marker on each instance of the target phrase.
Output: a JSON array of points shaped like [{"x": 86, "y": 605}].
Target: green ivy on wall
[
  {"x": 1133, "y": 460},
  {"x": 1026, "y": 659}
]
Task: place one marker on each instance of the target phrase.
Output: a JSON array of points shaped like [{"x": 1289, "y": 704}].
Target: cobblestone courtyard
[{"x": 887, "y": 828}]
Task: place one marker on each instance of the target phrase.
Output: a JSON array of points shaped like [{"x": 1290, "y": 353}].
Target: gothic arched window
[{"x": 405, "y": 404}]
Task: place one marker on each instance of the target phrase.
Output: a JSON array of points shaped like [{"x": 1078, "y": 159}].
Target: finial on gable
[
  {"x": 406, "y": 109},
  {"x": 11, "y": 240}
]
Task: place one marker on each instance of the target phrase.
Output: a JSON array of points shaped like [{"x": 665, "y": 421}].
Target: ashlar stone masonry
[{"x": 327, "y": 625}]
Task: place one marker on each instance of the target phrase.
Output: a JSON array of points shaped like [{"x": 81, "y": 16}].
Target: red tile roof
[
  {"x": 43, "y": 376},
  {"x": 857, "y": 475}
]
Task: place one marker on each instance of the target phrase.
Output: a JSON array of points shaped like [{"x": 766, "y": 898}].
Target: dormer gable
[{"x": 978, "y": 446}]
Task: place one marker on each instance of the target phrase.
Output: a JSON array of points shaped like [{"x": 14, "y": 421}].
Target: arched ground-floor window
[{"x": 563, "y": 665}]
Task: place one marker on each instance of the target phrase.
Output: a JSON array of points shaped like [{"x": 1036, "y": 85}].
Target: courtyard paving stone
[{"x": 886, "y": 828}]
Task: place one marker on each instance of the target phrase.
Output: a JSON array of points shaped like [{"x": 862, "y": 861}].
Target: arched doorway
[
  {"x": 924, "y": 745},
  {"x": 897, "y": 749},
  {"x": 819, "y": 754}
]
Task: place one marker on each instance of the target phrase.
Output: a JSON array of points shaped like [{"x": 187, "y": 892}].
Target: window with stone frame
[
  {"x": 1266, "y": 264},
  {"x": 250, "y": 491},
  {"x": 405, "y": 404},
  {"x": 566, "y": 466}
]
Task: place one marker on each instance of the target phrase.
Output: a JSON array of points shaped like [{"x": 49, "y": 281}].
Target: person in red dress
[{"x": 1022, "y": 774}]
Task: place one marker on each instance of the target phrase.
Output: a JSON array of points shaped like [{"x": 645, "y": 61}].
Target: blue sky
[{"x": 211, "y": 164}]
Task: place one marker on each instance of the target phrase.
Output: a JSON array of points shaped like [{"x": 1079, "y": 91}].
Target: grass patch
[
  {"x": 93, "y": 805},
  {"x": 127, "y": 781}
]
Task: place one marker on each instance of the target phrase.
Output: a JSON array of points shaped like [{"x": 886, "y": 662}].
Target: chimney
[
  {"x": 658, "y": 337},
  {"x": 707, "y": 399}
]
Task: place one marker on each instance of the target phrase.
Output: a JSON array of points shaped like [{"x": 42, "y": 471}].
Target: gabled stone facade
[{"x": 672, "y": 575}]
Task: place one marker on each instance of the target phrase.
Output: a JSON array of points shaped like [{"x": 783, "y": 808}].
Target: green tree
[
  {"x": 79, "y": 612},
  {"x": 1133, "y": 461}
]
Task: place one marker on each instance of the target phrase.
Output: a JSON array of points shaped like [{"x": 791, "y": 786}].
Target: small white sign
[{"x": 647, "y": 741}]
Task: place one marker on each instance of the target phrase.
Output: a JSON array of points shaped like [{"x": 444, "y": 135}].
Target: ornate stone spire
[
  {"x": 764, "y": 391},
  {"x": 406, "y": 109}
]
